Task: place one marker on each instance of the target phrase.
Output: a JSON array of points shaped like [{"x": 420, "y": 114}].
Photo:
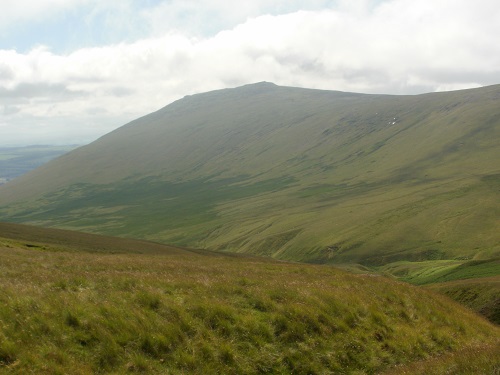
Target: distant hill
[
  {"x": 16, "y": 161},
  {"x": 291, "y": 173}
]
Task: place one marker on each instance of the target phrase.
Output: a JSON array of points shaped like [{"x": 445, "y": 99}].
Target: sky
[{"x": 74, "y": 70}]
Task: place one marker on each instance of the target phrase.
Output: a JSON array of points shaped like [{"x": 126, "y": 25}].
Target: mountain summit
[{"x": 292, "y": 173}]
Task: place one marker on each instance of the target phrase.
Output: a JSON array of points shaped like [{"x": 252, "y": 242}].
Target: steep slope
[
  {"x": 291, "y": 173},
  {"x": 481, "y": 294}
]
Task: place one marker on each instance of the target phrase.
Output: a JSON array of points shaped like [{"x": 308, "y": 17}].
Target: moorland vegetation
[{"x": 116, "y": 310}]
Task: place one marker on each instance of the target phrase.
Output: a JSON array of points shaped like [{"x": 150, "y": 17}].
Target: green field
[{"x": 84, "y": 304}]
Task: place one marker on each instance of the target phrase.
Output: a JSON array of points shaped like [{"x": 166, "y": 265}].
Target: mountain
[{"x": 291, "y": 173}]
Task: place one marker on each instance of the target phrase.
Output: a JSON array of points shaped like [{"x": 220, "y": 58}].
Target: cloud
[
  {"x": 204, "y": 18},
  {"x": 398, "y": 46},
  {"x": 6, "y": 73},
  {"x": 15, "y": 11},
  {"x": 39, "y": 90},
  {"x": 10, "y": 110}
]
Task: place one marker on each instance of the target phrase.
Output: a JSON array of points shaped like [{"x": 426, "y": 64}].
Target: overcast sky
[{"x": 73, "y": 70}]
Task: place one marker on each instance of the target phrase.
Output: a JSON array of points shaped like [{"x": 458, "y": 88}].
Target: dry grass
[
  {"x": 82, "y": 313},
  {"x": 481, "y": 295},
  {"x": 477, "y": 359}
]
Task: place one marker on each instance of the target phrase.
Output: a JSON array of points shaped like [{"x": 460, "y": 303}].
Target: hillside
[
  {"x": 38, "y": 238},
  {"x": 66, "y": 307},
  {"x": 299, "y": 174},
  {"x": 480, "y": 294}
]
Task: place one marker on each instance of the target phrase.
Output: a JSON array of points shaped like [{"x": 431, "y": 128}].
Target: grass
[
  {"x": 473, "y": 283},
  {"x": 469, "y": 360},
  {"x": 66, "y": 310},
  {"x": 41, "y": 238},
  {"x": 159, "y": 203},
  {"x": 440, "y": 271},
  {"x": 481, "y": 295}
]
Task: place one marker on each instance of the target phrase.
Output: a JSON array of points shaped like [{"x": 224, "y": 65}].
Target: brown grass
[{"x": 81, "y": 313}]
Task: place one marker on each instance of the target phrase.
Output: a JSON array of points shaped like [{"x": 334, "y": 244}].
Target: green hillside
[
  {"x": 473, "y": 283},
  {"x": 297, "y": 174},
  {"x": 480, "y": 294},
  {"x": 39, "y": 238},
  {"x": 73, "y": 303}
]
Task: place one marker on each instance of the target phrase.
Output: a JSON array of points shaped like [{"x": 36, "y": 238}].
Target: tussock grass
[
  {"x": 81, "y": 313},
  {"x": 475, "y": 359},
  {"x": 482, "y": 295},
  {"x": 473, "y": 283}
]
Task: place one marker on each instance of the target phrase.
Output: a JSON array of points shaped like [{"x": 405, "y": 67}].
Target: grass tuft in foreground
[{"x": 83, "y": 313}]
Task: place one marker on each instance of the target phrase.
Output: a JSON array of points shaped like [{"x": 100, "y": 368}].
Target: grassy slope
[
  {"x": 481, "y": 294},
  {"x": 440, "y": 271},
  {"x": 183, "y": 312},
  {"x": 475, "y": 284},
  {"x": 35, "y": 237},
  {"x": 291, "y": 173}
]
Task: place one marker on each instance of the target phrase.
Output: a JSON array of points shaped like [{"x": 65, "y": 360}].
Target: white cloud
[
  {"x": 398, "y": 46},
  {"x": 14, "y": 11},
  {"x": 206, "y": 17}
]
